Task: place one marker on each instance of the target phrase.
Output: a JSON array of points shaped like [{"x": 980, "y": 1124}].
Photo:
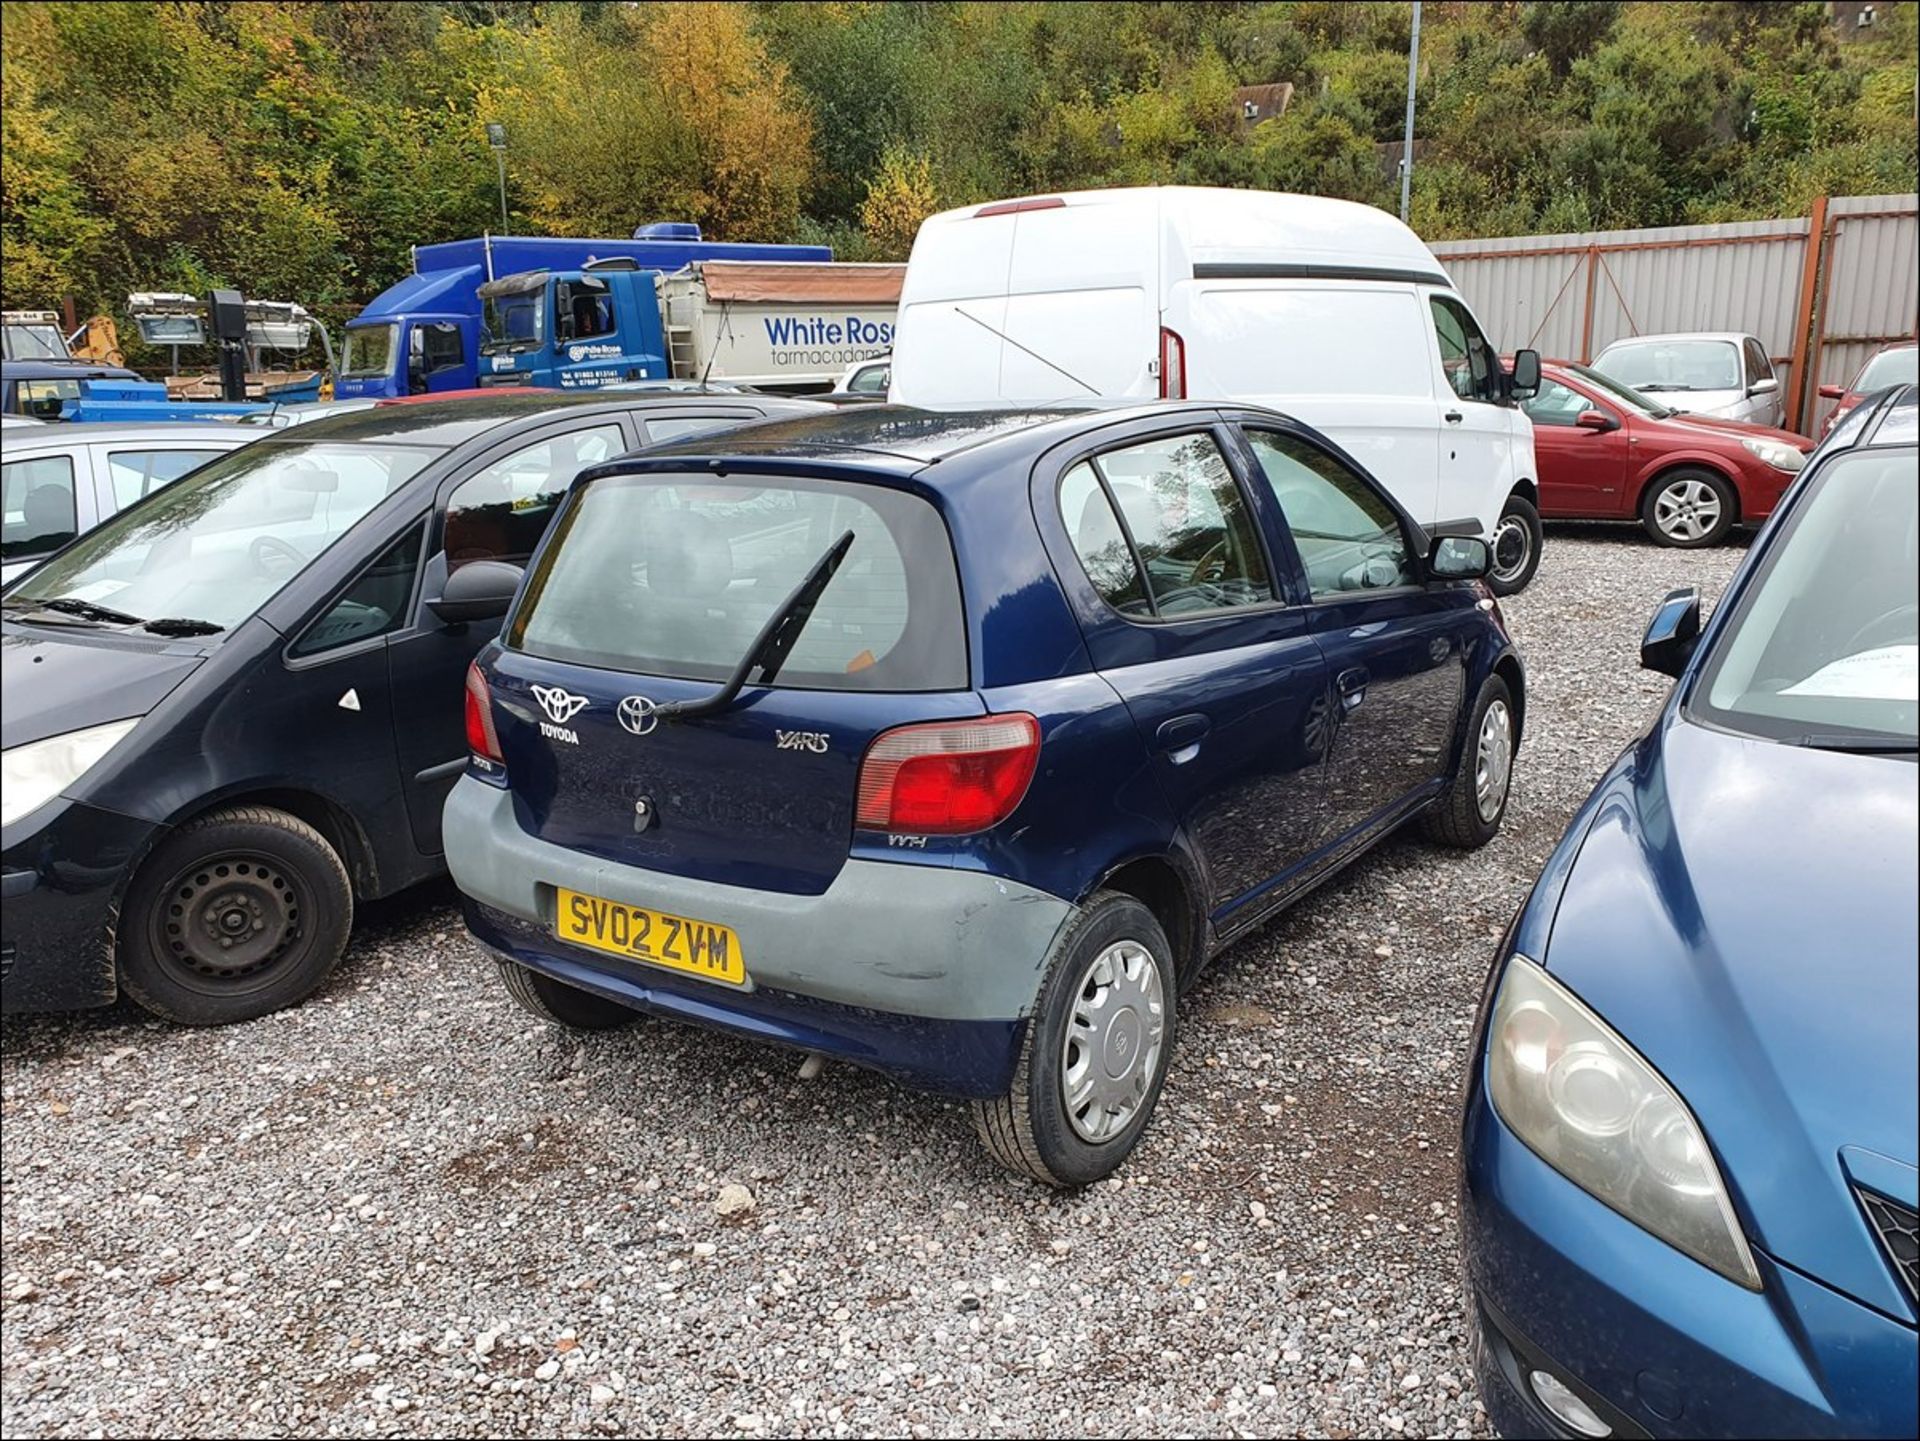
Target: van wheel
[
  {"x": 235, "y": 915},
  {"x": 1468, "y": 812},
  {"x": 562, "y": 1005},
  {"x": 1096, "y": 1051},
  {"x": 1689, "y": 508},
  {"x": 1516, "y": 547}
]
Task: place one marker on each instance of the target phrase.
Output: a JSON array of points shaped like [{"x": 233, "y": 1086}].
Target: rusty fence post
[
  {"x": 1806, "y": 349},
  {"x": 1586, "y": 328}
]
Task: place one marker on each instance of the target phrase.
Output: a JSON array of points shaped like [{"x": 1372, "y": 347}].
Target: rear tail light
[
  {"x": 1173, "y": 365},
  {"x": 949, "y": 778},
  {"x": 483, "y": 742}
]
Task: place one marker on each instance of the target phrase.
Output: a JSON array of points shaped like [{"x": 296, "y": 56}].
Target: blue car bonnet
[{"x": 1743, "y": 913}]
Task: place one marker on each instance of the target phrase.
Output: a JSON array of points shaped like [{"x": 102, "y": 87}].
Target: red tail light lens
[
  {"x": 1173, "y": 366},
  {"x": 483, "y": 742},
  {"x": 949, "y": 778}
]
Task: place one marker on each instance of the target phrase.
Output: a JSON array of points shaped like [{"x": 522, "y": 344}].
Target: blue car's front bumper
[{"x": 1653, "y": 1341}]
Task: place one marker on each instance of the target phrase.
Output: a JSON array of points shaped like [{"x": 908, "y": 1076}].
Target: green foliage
[{"x": 298, "y": 149}]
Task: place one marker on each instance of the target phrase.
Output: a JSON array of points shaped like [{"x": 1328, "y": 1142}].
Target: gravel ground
[{"x": 405, "y": 1209}]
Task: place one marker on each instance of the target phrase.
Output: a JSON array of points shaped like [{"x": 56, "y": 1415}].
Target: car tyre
[
  {"x": 1517, "y": 542},
  {"x": 562, "y": 1005},
  {"x": 1096, "y": 1051},
  {"x": 1689, "y": 508},
  {"x": 1467, "y": 814},
  {"x": 238, "y": 914}
]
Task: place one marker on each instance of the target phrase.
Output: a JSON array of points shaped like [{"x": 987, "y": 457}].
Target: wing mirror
[
  {"x": 1459, "y": 557},
  {"x": 479, "y": 590},
  {"x": 1833, "y": 392},
  {"x": 1596, "y": 420},
  {"x": 1672, "y": 633},
  {"x": 1523, "y": 382},
  {"x": 1764, "y": 387}
]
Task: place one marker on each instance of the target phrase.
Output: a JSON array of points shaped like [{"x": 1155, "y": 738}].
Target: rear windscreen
[{"x": 676, "y": 575}]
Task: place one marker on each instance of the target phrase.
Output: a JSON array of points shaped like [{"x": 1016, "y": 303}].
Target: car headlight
[
  {"x": 32, "y": 775},
  {"x": 1591, "y": 1108},
  {"x": 1775, "y": 453}
]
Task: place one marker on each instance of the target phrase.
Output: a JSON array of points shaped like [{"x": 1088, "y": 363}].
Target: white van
[{"x": 1333, "y": 312}]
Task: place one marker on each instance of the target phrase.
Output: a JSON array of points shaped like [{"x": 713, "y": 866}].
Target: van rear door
[
  {"x": 953, "y": 310},
  {"x": 1083, "y": 301}
]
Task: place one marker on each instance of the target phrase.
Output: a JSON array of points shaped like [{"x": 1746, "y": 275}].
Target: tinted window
[
  {"x": 1348, "y": 537},
  {"x": 374, "y": 604},
  {"x": 219, "y": 543},
  {"x": 675, "y": 575},
  {"x": 1556, "y": 404},
  {"x": 1189, "y": 524},
  {"x": 1465, "y": 355},
  {"x": 500, "y": 513},
  {"x": 676, "y": 427},
  {"x": 440, "y": 346},
  {"x": 591, "y": 308},
  {"x": 1758, "y": 366},
  {"x": 1100, "y": 543},
  {"x": 39, "y": 507},
  {"x": 135, "y": 472}
]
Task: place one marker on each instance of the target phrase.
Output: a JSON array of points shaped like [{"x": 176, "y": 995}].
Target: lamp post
[
  {"x": 1406, "y": 148},
  {"x": 497, "y": 138}
]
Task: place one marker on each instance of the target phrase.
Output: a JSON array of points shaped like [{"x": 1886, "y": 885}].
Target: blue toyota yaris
[
  {"x": 954, "y": 744},
  {"x": 1688, "y": 1187}
]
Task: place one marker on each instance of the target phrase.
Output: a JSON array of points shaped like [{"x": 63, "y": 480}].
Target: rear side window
[
  {"x": 681, "y": 426},
  {"x": 1172, "y": 509},
  {"x": 1759, "y": 368},
  {"x": 38, "y": 506},
  {"x": 501, "y": 512},
  {"x": 675, "y": 575},
  {"x": 135, "y": 472}
]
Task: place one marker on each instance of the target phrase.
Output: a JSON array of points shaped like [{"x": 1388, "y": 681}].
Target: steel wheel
[
  {"x": 1493, "y": 760},
  {"x": 1687, "y": 510},
  {"x": 1512, "y": 549},
  {"x": 1112, "y": 1047},
  {"x": 226, "y": 921}
]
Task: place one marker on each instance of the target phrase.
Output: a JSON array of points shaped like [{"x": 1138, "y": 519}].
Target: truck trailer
[{"x": 423, "y": 334}]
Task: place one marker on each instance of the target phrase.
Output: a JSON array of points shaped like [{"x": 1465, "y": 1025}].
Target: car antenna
[{"x": 1034, "y": 353}]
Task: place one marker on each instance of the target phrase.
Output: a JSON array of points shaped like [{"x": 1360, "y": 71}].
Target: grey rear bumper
[{"x": 916, "y": 940}]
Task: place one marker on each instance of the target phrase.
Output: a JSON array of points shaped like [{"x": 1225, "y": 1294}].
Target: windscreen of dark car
[
  {"x": 1825, "y": 647},
  {"x": 214, "y": 547},
  {"x": 676, "y": 575}
]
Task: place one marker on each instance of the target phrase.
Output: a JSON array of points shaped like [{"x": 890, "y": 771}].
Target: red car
[
  {"x": 1891, "y": 365},
  {"x": 1609, "y": 453}
]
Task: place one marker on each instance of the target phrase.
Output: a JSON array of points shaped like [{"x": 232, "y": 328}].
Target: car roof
[
  {"x": 88, "y": 432},
  {"x": 1732, "y": 337},
  {"x": 447, "y": 423}
]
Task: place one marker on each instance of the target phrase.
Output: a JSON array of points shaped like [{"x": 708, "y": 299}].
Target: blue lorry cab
[{"x": 953, "y": 745}]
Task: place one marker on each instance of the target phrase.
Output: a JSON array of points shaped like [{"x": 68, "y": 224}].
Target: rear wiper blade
[
  {"x": 87, "y": 610},
  {"x": 182, "y": 625},
  {"x": 1857, "y": 744},
  {"x": 770, "y": 647}
]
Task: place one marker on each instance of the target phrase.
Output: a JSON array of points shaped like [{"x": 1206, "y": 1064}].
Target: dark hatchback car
[
  {"x": 1689, "y": 1184},
  {"x": 954, "y": 744},
  {"x": 234, "y": 709}
]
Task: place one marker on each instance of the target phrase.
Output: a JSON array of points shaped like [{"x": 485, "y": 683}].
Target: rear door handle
[
  {"x": 1181, "y": 736},
  {"x": 1453, "y": 417},
  {"x": 1353, "y": 687}
]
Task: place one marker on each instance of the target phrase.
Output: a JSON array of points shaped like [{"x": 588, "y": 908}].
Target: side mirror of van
[
  {"x": 1524, "y": 381},
  {"x": 480, "y": 590}
]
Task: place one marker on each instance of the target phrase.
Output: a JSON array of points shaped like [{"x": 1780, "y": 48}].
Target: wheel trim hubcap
[
  {"x": 1115, "y": 1031},
  {"x": 1512, "y": 542},
  {"x": 229, "y": 918},
  {"x": 1687, "y": 510},
  {"x": 1493, "y": 760}
]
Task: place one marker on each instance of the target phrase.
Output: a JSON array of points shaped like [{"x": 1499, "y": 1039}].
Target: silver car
[
  {"x": 1717, "y": 373},
  {"x": 58, "y": 480}
]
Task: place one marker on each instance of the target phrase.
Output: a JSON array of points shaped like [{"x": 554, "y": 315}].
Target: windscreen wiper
[
  {"x": 1857, "y": 744},
  {"x": 182, "y": 625},
  {"x": 87, "y": 610},
  {"x": 1662, "y": 386},
  {"x": 770, "y": 648}
]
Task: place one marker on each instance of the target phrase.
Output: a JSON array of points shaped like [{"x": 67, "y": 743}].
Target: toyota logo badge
[{"x": 638, "y": 715}]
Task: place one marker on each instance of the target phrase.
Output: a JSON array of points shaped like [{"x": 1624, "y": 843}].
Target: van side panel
[{"x": 1351, "y": 359}]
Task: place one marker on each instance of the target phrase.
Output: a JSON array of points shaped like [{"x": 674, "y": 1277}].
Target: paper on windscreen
[
  {"x": 98, "y": 590},
  {"x": 1888, "y": 672}
]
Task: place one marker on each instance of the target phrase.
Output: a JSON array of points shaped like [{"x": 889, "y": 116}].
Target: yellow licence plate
[{"x": 700, "y": 948}]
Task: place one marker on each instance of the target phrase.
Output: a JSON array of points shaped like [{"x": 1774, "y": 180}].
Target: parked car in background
[
  {"x": 1890, "y": 365},
  {"x": 1718, "y": 373},
  {"x": 1334, "y": 311},
  {"x": 866, "y": 379},
  {"x": 233, "y": 710},
  {"x": 39, "y": 387},
  {"x": 1610, "y": 453},
  {"x": 281, "y": 416},
  {"x": 59, "y": 480},
  {"x": 1688, "y": 1187},
  {"x": 954, "y": 744}
]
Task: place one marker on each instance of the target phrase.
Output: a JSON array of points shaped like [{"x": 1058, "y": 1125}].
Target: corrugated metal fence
[{"x": 1835, "y": 285}]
